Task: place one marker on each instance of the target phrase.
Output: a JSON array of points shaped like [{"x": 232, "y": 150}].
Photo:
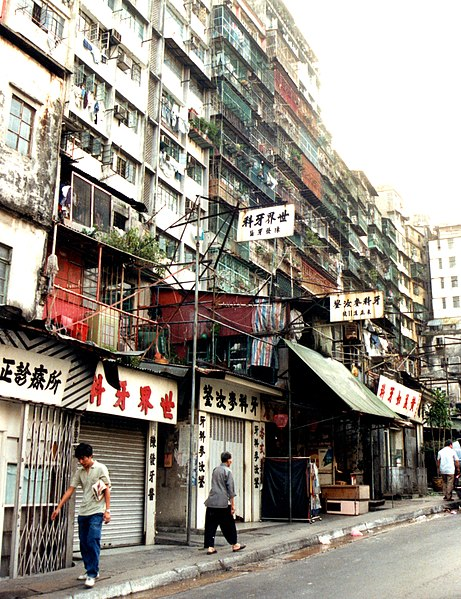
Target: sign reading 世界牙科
[
  {"x": 266, "y": 223},
  {"x": 140, "y": 395},
  {"x": 356, "y": 306}
]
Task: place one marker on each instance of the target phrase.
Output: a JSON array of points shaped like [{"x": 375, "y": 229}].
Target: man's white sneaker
[
  {"x": 89, "y": 582},
  {"x": 85, "y": 576}
]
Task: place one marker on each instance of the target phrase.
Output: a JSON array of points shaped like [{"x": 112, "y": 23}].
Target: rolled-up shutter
[{"x": 120, "y": 444}]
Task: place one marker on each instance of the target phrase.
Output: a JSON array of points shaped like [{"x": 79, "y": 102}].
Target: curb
[{"x": 188, "y": 572}]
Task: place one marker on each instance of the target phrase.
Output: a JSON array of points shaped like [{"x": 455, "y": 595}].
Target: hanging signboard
[
  {"x": 356, "y": 306},
  {"x": 229, "y": 399},
  {"x": 399, "y": 398},
  {"x": 34, "y": 377},
  {"x": 266, "y": 223},
  {"x": 141, "y": 395}
]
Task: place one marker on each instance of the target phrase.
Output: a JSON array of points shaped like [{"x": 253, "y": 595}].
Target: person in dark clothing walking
[{"x": 220, "y": 507}]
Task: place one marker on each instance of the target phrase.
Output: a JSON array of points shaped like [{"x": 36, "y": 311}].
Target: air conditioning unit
[
  {"x": 103, "y": 328},
  {"x": 115, "y": 37},
  {"x": 124, "y": 62},
  {"x": 120, "y": 112}
]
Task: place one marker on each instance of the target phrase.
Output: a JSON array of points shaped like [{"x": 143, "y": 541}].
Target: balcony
[
  {"x": 108, "y": 326},
  {"x": 418, "y": 272}
]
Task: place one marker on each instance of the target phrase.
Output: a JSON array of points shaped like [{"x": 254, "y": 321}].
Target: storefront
[
  {"x": 121, "y": 425},
  {"x": 42, "y": 384},
  {"x": 231, "y": 418}
]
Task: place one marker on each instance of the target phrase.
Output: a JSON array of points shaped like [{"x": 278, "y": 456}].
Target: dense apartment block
[{"x": 133, "y": 136}]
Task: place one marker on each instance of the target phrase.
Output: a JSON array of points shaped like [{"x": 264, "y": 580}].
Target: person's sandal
[
  {"x": 211, "y": 552},
  {"x": 239, "y": 548}
]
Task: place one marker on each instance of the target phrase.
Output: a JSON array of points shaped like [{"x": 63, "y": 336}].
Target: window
[
  {"x": 125, "y": 168},
  {"x": 440, "y": 263},
  {"x": 5, "y": 262},
  {"x": 442, "y": 283},
  {"x": 194, "y": 170},
  {"x": 444, "y": 303},
  {"x": 19, "y": 134},
  {"x": 91, "y": 206},
  {"x": 131, "y": 19},
  {"x": 169, "y": 198},
  {"x": 454, "y": 281},
  {"x": 168, "y": 245},
  {"x": 450, "y": 243},
  {"x": 452, "y": 261},
  {"x": 456, "y": 301},
  {"x": 44, "y": 17}
]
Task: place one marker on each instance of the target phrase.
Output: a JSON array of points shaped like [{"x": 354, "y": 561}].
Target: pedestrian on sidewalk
[
  {"x": 94, "y": 509},
  {"x": 447, "y": 467},
  {"x": 220, "y": 507}
]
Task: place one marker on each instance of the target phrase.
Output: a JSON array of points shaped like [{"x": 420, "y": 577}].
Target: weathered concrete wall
[
  {"x": 28, "y": 245},
  {"x": 27, "y": 183}
]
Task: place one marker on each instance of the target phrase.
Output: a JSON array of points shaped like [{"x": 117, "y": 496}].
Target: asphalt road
[{"x": 418, "y": 561}]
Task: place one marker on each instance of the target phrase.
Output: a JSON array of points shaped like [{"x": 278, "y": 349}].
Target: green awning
[{"x": 346, "y": 386}]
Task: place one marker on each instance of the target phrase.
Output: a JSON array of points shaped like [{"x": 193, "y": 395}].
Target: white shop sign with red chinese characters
[
  {"x": 141, "y": 395},
  {"x": 32, "y": 377},
  {"x": 228, "y": 399},
  {"x": 399, "y": 398},
  {"x": 345, "y": 307},
  {"x": 266, "y": 223}
]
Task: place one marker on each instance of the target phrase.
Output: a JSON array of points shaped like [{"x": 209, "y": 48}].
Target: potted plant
[{"x": 437, "y": 417}]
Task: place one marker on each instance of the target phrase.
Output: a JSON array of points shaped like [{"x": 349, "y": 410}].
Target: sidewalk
[{"x": 133, "y": 569}]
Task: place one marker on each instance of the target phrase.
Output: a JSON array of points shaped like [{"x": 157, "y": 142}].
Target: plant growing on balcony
[
  {"x": 141, "y": 244},
  {"x": 208, "y": 128}
]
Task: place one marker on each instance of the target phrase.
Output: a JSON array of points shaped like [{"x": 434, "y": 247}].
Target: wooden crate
[{"x": 346, "y": 492}]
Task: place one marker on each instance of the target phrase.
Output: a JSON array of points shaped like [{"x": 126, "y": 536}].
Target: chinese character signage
[
  {"x": 228, "y": 399},
  {"x": 402, "y": 400},
  {"x": 266, "y": 223},
  {"x": 356, "y": 306},
  {"x": 32, "y": 377},
  {"x": 141, "y": 395}
]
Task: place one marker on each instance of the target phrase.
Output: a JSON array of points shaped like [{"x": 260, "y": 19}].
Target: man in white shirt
[{"x": 447, "y": 466}]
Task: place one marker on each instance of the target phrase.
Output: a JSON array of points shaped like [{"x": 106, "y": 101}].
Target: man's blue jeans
[{"x": 89, "y": 533}]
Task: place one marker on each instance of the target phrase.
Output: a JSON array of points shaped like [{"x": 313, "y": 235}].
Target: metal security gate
[
  {"x": 120, "y": 444},
  {"x": 35, "y": 483},
  {"x": 228, "y": 434}
]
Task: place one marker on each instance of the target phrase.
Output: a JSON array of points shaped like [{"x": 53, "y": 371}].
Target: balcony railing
[{"x": 109, "y": 326}]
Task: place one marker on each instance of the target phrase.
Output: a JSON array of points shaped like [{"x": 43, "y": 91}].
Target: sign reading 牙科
[
  {"x": 356, "y": 306},
  {"x": 266, "y": 223}
]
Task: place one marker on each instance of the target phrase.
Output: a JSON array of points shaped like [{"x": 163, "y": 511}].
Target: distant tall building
[{"x": 443, "y": 335}]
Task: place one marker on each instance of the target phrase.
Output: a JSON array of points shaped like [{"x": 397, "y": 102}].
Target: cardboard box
[
  {"x": 347, "y": 492},
  {"x": 347, "y": 508}
]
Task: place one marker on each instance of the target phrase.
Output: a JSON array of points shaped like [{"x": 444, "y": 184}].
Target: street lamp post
[{"x": 194, "y": 366}]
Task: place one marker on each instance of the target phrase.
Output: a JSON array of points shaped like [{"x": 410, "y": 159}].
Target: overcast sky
[{"x": 390, "y": 93}]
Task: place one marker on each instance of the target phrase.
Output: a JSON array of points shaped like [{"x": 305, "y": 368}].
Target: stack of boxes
[{"x": 346, "y": 499}]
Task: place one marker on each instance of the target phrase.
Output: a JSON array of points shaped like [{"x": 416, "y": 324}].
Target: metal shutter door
[
  {"x": 121, "y": 446},
  {"x": 227, "y": 434}
]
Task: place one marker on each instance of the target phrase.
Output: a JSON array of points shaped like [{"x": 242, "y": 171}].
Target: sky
[{"x": 390, "y": 94}]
